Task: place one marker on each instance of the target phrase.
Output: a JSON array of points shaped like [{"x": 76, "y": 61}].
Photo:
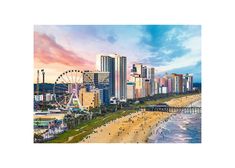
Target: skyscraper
[
  {"x": 106, "y": 63},
  {"x": 120, "y": 76},
  {"x": 139, "y": 86},
  {"x": 169, "y": 85},
  {"x": 150, "y": 76},
  {"x": 116, "y": 66},
  {"x": 144, "y": 72},
  {"x": 147, "y": 87},
  {"x": 156, "y": 87},
  {"x": 139, "y": 69},
  {"x": 143, "y": 76},
  {"x": 187, "y": 82},
  {"x": 178, "y": 83},
  {"x": 100, "y": 81}
]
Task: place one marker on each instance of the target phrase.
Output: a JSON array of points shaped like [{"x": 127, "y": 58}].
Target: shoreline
[
  {"x": 135, "y": 127},
  {"x": 152, "y": 137}
]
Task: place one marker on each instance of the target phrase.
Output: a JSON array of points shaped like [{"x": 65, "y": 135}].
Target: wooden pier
[{"x": 189, "y": 110}]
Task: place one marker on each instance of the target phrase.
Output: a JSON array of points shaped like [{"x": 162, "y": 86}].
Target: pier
[{"x": 189, "y": 110}]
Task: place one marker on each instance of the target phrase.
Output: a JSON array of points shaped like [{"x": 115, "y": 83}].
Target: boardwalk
[{"x": 190, "y": 110}]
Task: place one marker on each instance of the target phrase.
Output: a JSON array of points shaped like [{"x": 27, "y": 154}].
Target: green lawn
[{"x": 86, "y": 128}]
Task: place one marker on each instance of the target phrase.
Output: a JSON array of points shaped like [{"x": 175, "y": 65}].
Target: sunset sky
[{"x": 169, "y": 49}]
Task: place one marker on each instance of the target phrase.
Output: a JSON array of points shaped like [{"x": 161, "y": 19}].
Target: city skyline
[
  {"x": 172, "y": 49},
  {"x": 101, "y": 74}
]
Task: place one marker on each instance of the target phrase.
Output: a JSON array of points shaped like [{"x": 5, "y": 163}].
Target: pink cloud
[{"x": 48, "y": 51}]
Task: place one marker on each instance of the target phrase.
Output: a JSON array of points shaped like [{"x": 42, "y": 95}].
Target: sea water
[{"x": 183, "y": 127}]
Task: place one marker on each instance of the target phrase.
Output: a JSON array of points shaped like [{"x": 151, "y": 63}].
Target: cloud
[
  {"x": 165, "y": 47},
  {"x": 167, "y": 42},
  {"x": 173, "y": 48},
  {"x": 48, "y": 51}
]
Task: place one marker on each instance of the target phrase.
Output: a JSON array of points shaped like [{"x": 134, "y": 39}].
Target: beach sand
[{"x": 136, "y": 127}]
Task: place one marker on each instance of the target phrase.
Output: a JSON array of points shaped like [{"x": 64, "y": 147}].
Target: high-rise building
[
  {"x": 101, "y": 82},
  {"x": 139, "y": 75},
  {"x": 150, "y": 76},
  {"x": 190, "y": 83},
  {"x": 177, "y": 80},
  {"x": 187, "y": 83},
  {"x": 164, "y": 90},
  {"x": 156, "y": 83},
  {"x": 174, "y": 83},
  {"x": 139, "y": 87},
  {"x": 106, "y": 63},
  {"x": 144, "y": 72},
  {"x": 147, "y": 87},
  {"x": 163, "y": 81},
  {"x": 169, "y": 85},
  {"x": 130, "y": 90},
  {"x": 137, "y": 69},
  {"x": 178, "y": 83},
  {"x": 116, "y": 66},
  {"x": 173, "y": 80},
  {"x": 120, "y": 77}
]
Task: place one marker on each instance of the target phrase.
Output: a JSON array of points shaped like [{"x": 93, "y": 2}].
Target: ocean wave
[{"x": 180, "y": 128}]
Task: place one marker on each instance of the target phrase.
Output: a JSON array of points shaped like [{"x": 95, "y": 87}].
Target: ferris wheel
[{"x": 67, "y": 86}]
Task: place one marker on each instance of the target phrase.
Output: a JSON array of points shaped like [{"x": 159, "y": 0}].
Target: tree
[{"x": 38, "y": 137}]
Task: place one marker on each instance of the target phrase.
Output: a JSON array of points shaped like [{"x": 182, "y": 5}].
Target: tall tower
[
  {"x": 37, "y": 82},
  {"x": 106, "y": 63},
  {"x": 144, "y": 71},
  {"x": 188, "y": 82},
  {"x": 150, "y": 76},
  {"x": 116, "y": 66},
  {"x": 43, "y": 88},
  {"x": 120, "y": 77}
]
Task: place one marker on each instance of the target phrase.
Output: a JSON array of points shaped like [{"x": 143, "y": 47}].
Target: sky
[{"x": 167, "y": 48}]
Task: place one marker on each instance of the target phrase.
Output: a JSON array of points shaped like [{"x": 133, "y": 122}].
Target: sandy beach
[{"x": 136, "y": 127}]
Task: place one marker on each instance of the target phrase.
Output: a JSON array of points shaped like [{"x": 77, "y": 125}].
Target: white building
[
  {"x": 130, "y": 90},
  {"x": 38, "y": 98},
  {"x": 120, "y": 77},
  {"x": 156, "y": 87},
  {"x": 49, "y": 97},
  {"x": 188, "y": 83},
  {"x": 137, "y": 69},
  {"x": 164, "y": 90},
  {"x": 160, "y": 90}
]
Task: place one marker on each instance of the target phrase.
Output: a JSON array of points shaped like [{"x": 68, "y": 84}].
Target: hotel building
[
  {"x": 100, "y": 80},
  {"x": 120, "y": 77},
  {"x": 116, "y": 65},
  {"x": 89, "y": 99},
  {"x": 130, "y": 90},
  {"x": 106, "y": 63}
]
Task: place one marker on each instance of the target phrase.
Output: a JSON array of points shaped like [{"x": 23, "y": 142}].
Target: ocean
[{"x": 180, "y": 128}]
